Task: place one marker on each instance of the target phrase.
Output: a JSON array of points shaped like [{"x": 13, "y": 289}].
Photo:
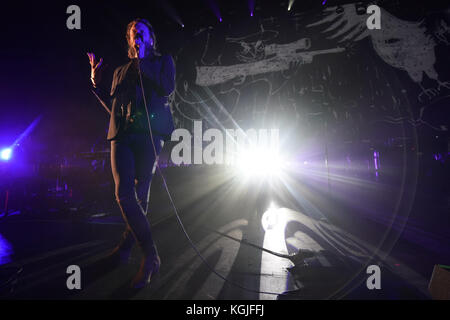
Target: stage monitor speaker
[{"x": 440, "y": 283}]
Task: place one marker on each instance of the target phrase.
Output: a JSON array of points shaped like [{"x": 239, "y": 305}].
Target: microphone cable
[{"x": 175, "y": 208}]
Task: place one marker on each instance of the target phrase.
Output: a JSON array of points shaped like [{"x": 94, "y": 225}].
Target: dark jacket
[{"x": 158, "y": 73}]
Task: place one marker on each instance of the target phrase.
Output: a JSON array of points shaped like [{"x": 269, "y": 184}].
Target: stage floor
[{"x": 217, "y": 216}]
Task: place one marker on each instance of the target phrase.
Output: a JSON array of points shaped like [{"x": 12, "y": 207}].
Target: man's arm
[
  {"x": 103, "y": 97},
  {"x": 164, "y": 82}
]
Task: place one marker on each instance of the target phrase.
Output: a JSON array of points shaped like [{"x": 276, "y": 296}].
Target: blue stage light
[{"x": 6, "y": 154}]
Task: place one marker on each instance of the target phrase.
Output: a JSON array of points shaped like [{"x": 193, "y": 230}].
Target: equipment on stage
[{"x": 440, "y": 282}]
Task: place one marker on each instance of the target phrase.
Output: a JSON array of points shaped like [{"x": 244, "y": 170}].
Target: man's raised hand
[{"x": 96, "y": 68}]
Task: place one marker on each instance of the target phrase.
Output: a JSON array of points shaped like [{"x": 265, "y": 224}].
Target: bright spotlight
[
  {"x": 6, "y": 154},
  {"x": 259, "y": 162}
]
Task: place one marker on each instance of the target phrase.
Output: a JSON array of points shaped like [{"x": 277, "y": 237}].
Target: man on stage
[{"x": 139, "y": 96}]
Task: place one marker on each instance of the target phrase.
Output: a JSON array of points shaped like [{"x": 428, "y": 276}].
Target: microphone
[
  {"x": 136, "y": 45},
  {"x": 137, "y": 49}
]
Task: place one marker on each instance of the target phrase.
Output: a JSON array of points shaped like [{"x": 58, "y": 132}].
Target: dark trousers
[{"x": 132, "y": 162}]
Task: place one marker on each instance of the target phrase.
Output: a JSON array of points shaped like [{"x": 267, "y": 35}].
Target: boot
[{"x": 149, "y": 267}]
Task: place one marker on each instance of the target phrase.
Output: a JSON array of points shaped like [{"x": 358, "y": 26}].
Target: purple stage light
[
  {"x": 6, "y": 154},
  {"x": 28, "y": 130},
  {"x": 376, "y": 159},
  {"x": 6, "y": 251},
  {"x": 251, "y": 7},
  {"x": 215, "y": 8}
]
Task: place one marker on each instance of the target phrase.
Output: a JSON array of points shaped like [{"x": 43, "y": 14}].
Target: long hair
[{"x": 131, "y": 49}]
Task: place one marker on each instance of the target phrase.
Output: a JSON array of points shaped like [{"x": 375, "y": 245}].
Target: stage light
[
  {"x": 215, "y": 9},
  {"x": 6, "y": 154},
  {"x": 260, "y": 162},
  {"x": 171, "y": 12},
  {"x": 251, "y": 7},
  {"x": 291, "y": 2}
]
